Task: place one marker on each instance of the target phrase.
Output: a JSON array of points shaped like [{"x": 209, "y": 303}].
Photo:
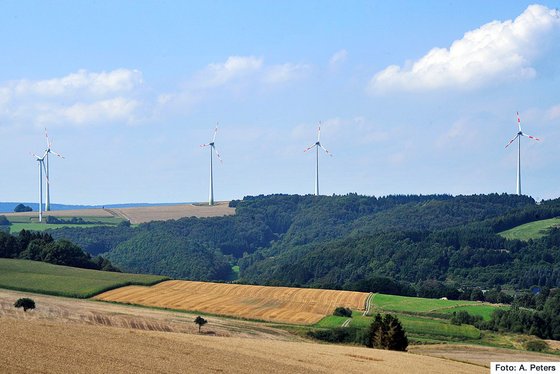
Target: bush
[
  {"x": 339, "y": 335},
  {"x": 4, "y": 221},
  {"x": 536, "y": 345},
  {"x": 25, "y": 303},
  {"x": 464, "y": 317},
  {"x": 22, "y": 208},
  {"x": 343, "y": 312}
]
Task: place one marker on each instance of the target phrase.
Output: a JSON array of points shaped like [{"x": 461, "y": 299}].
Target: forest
[{"x": 344, "y": 242}]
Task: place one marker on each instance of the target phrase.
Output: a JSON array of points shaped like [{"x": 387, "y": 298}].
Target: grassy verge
[{"x": 40, "y": 277}]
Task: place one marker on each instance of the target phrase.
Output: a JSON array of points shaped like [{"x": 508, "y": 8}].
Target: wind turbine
[
  {"x": 212, "y": 149},
  {"x": 520, "y": 133},
  {"x": 47, "y": 151},
  {"x": 317, "y": 145},
  {"x": 41, "y": 161}
]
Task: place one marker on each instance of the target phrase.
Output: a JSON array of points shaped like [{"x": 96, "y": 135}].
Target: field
[
  {"x": 277, "y": 304},
  {"x": 531, "y": 230},
  {"x": 418, "y": 305},
  {"x": 167, "y": 212},
  {"x": 120, "y": 338},
  {"x": 423, "y": 319},
  {"x": 19, "y": 223},
  {"x": 51, "y": 279},
  {"x": 113, "y": 216}
]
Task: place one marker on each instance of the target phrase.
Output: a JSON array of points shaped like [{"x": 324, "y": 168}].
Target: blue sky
[{"x": 414, "y": 97}]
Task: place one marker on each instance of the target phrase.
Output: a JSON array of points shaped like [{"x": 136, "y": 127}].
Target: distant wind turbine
[
  {"x": 47, "y": 151},
  {"x": 317, "y": 145},
  {"x": 41, "y": 161},
  {"x": 520, "y": 133},
  {"x": 212, "y": 150}
]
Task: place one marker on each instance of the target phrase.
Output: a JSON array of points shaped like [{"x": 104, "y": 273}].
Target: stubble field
[{"x": 276, "y": 304}]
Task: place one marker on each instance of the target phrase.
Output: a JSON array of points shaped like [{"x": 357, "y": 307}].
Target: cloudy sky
[{"x": 414, "y": 97}]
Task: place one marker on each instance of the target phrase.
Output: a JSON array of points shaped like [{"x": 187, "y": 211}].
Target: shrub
[
  {"x": 22, "y": 208},
  {"x": 25, "y": 303},
  {"x": 463, "y": 316},
  {"x": 343, "y": 312},
  {"x": 536, "y": 345}
]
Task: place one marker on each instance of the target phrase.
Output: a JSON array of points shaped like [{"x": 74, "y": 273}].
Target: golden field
[
  {"x": 142, "y": 214},
  {"x": 276, "y": 304},
  {"x": 36, "y": 346},
  {"x": 65, "y": 335}
]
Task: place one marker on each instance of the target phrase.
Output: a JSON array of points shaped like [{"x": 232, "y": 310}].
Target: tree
[
  {"x": 343, "y": 312},
  {"x": 200, "y": 322},
  {"x": 25, "y": 303},
  {"x": 387, "y": 333},
  {"x": 22, "y": 208}
]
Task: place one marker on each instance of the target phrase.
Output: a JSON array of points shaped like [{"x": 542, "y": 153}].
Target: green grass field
[
  {"x": 19, "y": 223},
  {"x": 40, "y": 277},
  {"x": 531, "y": 230},
  {"x": 423, "y": 319},
  {"x": 418, "y": 305}
]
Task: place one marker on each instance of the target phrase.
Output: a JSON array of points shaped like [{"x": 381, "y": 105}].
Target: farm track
[{"x": 276, "y": 304}]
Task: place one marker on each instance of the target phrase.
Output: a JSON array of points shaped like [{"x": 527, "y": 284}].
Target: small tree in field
[
  {"x": 200, "y": 322},
  {"x": 25, "y": 303},
  {"x": 387, "y": 333}
]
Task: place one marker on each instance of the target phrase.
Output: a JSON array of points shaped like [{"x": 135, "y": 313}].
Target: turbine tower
[
  {"x": 518, "y": 136},
  {"x": 317, "y": 145},
  {"x": 212, "y": 150},
  {"x": 47, "y": 151},
  {"x": 41, "y": 163}
]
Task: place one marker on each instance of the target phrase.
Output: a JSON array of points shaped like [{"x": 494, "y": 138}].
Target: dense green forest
[
  {"x": 345, "y": 242},
  {"x": 39, "y": 246}
]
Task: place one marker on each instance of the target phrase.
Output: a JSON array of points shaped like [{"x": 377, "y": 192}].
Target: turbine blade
[
  {"x": 56, "y": 154},
  {"x": 218, "y": 155},
  {"x": 512, "y": 140},
  {"x": 49, "y": 143},
  {"x": 324, "y": 149},
  {"x": 518, "y": 122},
  {"x": 530, "y": 136},
  {"x": 319, "y": 132},
  {"x": 215, "y": 132},
  {"x": 310, "y": 147},
  {"x": 205, "y": 145}
]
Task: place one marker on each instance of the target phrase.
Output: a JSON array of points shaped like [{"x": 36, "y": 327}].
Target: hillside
[{"x": 343, "y": 242}]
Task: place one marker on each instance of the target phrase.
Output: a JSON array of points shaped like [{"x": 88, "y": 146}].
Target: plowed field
[{"x": 277, "y": 304}]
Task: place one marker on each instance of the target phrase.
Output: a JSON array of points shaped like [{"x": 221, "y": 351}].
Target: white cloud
[
  {"x": 277, "y": 74},
  {"x": 497, "y": 51},
  {"x": 81, "y": 82},
  {"x": 218, "y": 74},
  {"x": 78, "y": 98},
  {"x": 338, "y": 58}
]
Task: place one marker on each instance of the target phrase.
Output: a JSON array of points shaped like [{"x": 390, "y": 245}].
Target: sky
[{"x": 413, "y": 97}]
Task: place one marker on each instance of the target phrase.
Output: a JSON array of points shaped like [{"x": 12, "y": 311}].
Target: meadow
[
  {"x": 41, "y": 277},
  {"x": 30, "y": 223},
  {"x": 531, "y": 230}
]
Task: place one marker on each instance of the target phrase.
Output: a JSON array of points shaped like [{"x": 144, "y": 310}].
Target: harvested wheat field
[
  {"x": 167, "y": 212},
  {"x": 276, "y": 304},
  {"x": 33, "y": 346},
  {"x": 479, "y": 355}
]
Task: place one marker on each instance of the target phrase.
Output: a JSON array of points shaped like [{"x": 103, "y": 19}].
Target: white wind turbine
[
  {"x": 520, "y": 133},
  {"x": 47, "y": 151},
  {"x": 317, "y": 145},
  {"x": 212, "y": 150},
  {"x": 41, "y": 163}
]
